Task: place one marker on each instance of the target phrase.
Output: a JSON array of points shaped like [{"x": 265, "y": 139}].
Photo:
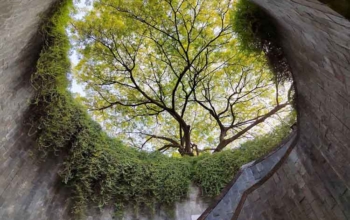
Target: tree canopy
[{"x": 168, "y": 74}]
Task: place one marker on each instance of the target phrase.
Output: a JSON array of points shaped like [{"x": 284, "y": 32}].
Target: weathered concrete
[
  {"x": 250, "y": 175},
  {"x": 313, "y": 182},
  {"x": 187, "y": 209}
]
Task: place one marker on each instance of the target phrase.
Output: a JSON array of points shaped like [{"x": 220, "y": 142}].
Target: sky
[{"x": 82, "y": 7}]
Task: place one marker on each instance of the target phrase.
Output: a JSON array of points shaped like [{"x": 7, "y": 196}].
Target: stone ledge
[{"x": 252, "y": 175}]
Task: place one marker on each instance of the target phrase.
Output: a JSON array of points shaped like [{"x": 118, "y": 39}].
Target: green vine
[{"x": 101, "y": 170}]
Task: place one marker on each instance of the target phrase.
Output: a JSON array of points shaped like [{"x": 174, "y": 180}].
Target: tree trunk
[
  {"x": 187, "y": 148},
  {"x": 223, "y": 133},
  {"x": 221, "y": 146},
  {"x": 223, "y": 143},
  {"x": 188, "y": 145}
]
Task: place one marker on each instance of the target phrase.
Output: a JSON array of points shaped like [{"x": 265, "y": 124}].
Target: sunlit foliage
[{"x": 168, "y": 74}]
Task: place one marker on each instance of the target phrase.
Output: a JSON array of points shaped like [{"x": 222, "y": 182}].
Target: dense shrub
[{"x": 256, "y": 33}]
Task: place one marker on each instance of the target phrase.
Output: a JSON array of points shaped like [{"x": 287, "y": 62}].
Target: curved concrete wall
[{"x": 313, "y": 181}]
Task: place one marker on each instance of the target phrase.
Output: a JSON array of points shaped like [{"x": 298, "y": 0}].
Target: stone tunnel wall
[
  {"x": 313, "y": 182},
  {"x": 28, "y": 190}
]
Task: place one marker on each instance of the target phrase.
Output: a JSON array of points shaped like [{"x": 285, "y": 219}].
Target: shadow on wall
[{"x": 340, "y": 6}]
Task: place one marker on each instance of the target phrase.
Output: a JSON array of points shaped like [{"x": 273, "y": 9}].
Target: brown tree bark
[{"x": 224, "y": 142}]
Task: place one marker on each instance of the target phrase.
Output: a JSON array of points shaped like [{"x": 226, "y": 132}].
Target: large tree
[{"x": 168, "y": 72}]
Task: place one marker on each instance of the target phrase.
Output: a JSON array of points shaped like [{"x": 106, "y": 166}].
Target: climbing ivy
[
  {"x": 257, "y": 33},
  {"x": 100, "y": 170}
]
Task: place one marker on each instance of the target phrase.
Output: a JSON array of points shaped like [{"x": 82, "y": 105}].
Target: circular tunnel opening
[{"x": 167, "y": 106}]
